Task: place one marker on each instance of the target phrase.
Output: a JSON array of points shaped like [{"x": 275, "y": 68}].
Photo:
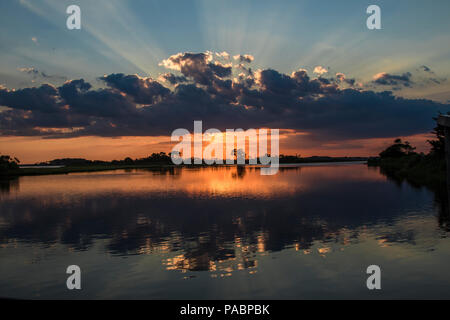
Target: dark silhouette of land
[
  {"x": 10, "y": 166},
  {"x": 400, "y": 161}
]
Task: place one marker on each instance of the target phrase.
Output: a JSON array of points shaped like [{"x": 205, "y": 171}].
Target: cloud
[
  {"x": 104, "y": 103},
  {"x": 44, "y": 98},
  {"x": 428, "y": 76},
  {"x": 219, "y": 69},
  {"x": 426, "y": 69},
  {"x": 244, "y": 58},
  {"x": 197, "y": 66},
  {"x": 342, "y": 78},
  {"x": 141, "y": 90},
  {"x": 225, "y": 55},
  {"x": 421, "y": 77},
  {"x": 31, "y": 70},
  {"x": 40, "y": 74},
  {"x": 387, "y": 79},
  {"x": 207, "y": 90},
  {"x": 320, "y": 70},
  {"x": 172, "y": 79}
]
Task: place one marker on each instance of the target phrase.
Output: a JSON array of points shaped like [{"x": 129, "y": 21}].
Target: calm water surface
[{"x": 223, "y": 233}]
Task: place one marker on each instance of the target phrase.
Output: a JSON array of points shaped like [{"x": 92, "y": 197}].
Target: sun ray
[{"x": 115, "y": 27}]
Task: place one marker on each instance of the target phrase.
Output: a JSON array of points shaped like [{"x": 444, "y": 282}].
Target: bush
[{"x": 398, "y": 150}]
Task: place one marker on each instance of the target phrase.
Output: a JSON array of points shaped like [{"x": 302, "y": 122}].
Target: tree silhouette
[
  {"x": 438, "y": 145},
  {"x": 8, "y": 163},
  {"x": 398, "y": 149}
]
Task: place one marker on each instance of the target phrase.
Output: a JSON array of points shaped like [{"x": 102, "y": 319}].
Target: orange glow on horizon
[{"x": 36, "y": 149}]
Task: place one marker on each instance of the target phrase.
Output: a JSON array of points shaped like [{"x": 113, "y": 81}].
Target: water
[{"x": 223, "y": 233}]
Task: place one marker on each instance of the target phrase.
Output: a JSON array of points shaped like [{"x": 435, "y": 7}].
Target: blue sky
[{"x": 134, "y": 36}]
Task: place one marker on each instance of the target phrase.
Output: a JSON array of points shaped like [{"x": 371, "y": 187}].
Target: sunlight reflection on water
[{"x": 309, "y": 231}]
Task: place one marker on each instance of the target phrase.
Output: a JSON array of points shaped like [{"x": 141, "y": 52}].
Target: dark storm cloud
[
  {"x": 172, "y": 79},
  {"x": 353, "y": 114},
  {"x": 36, "y": 123},
  {"x": 421, "y": 77},
  {"x": 134, "y": 106},
  {"x": 197, "y": 66},
  {"x": 220, "y": 69},
  {"x": 388, "y": 79},
  {"x": 44, "y": 98},
  {"x": 142, "y": 90},
  {"x": 341, "y": 78},
  {"x": 274, "y": 82},
  {"x": 80, "y": 99}
]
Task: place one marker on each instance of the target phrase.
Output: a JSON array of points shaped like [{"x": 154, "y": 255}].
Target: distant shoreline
[
  {"x": 30, "y": 170},
  {"x": 50, "y": 170}
]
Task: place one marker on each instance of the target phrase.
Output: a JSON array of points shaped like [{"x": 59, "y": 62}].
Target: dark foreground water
[{"x": 223, "y": 233}]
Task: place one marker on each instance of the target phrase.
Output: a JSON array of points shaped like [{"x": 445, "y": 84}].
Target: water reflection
[
  {"x": 220, "y": 220},
  {"x": 8, "y": 184},
  {"x": 440, "y": 190}
]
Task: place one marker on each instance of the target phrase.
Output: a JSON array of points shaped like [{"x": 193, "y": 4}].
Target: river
[{"x": 223, "y": 233}]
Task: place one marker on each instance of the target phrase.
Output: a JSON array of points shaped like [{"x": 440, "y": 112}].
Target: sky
[{"x": 137, "y": 70}]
